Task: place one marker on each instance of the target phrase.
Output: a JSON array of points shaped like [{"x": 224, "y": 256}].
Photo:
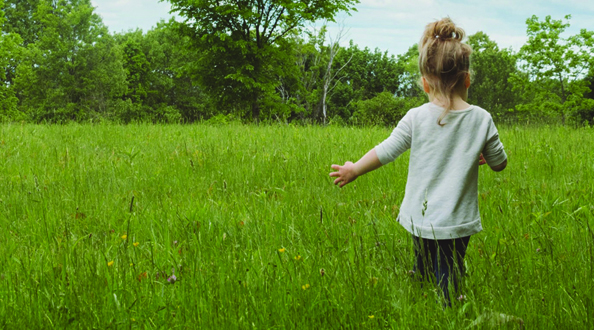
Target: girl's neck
[{"x": 458, "y": 102}]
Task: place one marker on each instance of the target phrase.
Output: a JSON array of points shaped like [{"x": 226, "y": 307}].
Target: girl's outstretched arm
[{"x": 349, "y": 171}]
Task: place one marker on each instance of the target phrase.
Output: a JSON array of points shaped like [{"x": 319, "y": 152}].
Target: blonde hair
[{"x": 444, "y": 61}]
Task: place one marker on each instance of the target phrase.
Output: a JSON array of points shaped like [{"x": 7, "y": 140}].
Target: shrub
[{"x": 384, "y": 109}]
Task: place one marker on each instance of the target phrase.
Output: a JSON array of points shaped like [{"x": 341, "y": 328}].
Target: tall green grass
[{"x": 95, "y": 220}]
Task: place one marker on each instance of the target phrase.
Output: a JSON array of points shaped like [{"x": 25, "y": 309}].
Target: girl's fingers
[
  {"x": 339, "y": 178},
  {"x": 482, "y": 160}
]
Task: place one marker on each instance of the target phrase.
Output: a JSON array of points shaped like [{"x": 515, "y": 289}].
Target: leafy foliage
[
  {"x": 21, "y": 19},
  {"x": 158, "y": 87},
  {"x": 137, "y": 68},
  {"x": 254, "y": 60},
  {"x": 74, "y": 70},
  {"x": 9, "y": 49},
  {"x": 491, "y": 70},
  {"x": 410, "y": 76},
  {"x": 240, "y": 43},
  {"x": 384, "y": 109},
  {"x": 554, "y": 68}
]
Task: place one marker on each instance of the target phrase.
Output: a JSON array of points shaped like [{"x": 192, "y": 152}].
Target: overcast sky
[{"x": 395, "y": 25}]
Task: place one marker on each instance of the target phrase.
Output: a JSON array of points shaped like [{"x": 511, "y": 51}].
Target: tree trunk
[
  {"x": 317, "y": 113},
  {"x": 324, "y": 102},
  {"x": 563, "y": 97},
  {"x": 255, "y": 111},
  {"x": 328, "y": 77}
]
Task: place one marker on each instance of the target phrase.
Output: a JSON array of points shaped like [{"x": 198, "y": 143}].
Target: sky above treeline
[{"x": 394, "y": 25}]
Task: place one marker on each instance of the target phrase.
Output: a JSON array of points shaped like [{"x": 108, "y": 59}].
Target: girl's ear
[
  {"x": 467, "y": 81},
  {"x": 425, "y": 85}
]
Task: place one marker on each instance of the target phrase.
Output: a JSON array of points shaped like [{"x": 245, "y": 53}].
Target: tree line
[{"x": 257, "y": 60}]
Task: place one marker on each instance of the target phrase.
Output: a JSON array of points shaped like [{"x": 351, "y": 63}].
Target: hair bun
[
  {"x": 444, "y": 61},
  {"x": 445, "y": 29}
]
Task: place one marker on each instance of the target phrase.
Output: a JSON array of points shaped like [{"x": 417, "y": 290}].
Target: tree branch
[
  {"x": 338, "y": 71},
  {"x": 285, "y": 32},
  {"x": 260, "y": 5},
  {"x": 278, "y": 17},
  {"x": 267, "y": 20}
]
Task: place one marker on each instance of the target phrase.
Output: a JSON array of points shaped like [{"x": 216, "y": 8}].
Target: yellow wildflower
[
  {"x": 305, "y": 287},
  {"x": 297, "y": 258},
  {"x": 124, "y": 236},
  {"x": 136, "y": 244},
  {"x": 109, "y": 264},
  {"x": 281, "y": 250}
]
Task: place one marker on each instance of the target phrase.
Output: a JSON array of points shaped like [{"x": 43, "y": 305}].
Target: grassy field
[{"x": 95, "y": 220}]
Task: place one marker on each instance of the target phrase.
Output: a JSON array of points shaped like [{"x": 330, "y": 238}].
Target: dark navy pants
[{"x": 441, "y": 261}]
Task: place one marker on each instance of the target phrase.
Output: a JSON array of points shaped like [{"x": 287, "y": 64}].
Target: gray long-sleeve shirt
[{"x": 441, "y": 197}]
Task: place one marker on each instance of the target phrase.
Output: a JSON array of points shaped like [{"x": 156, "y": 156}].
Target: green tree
[
  {"x": 241, "y": 43},
  {"x": 314, "y": 74},
  {"x": 74, "y": 70},
  {"x": 9, "y": 50},
  {"x": 554, "y": 68},
  {"x": 20, "y": 20},
  {"x": 368, "y": 74},
  {"x": 410, "y": 75},
  {"x": 384, "y": 109},
  {"x": 586, "y": 112},
  {"x": 169, "y": 84},
  {"x": 590, "y": 82},
  {"x": 158, "y": 89},
  {"x": 303, "y": 88},
  {"x": 301, "y": 83},
  {"x": 136, "y": 66},
  {"x": 389, "y": 87},
  {"x": 491, "y": 69}
]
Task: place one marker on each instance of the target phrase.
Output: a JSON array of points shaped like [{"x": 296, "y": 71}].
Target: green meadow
[{"x": 237, "y": 227}]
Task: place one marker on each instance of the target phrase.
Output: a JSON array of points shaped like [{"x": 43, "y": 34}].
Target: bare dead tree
[
  {"x": 311, "y": 57},
  {"x": 330, "y": 76}
]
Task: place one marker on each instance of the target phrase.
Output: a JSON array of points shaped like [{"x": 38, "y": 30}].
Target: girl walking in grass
[{"x": 447, "y": 137}]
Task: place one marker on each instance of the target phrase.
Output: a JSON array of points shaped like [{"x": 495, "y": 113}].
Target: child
[{"x": 447, "y": 137}]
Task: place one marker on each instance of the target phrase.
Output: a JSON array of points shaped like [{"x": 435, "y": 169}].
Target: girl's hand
[
  {"x": 344, "y": 174},
  {"x": 482, "y": 160}
]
